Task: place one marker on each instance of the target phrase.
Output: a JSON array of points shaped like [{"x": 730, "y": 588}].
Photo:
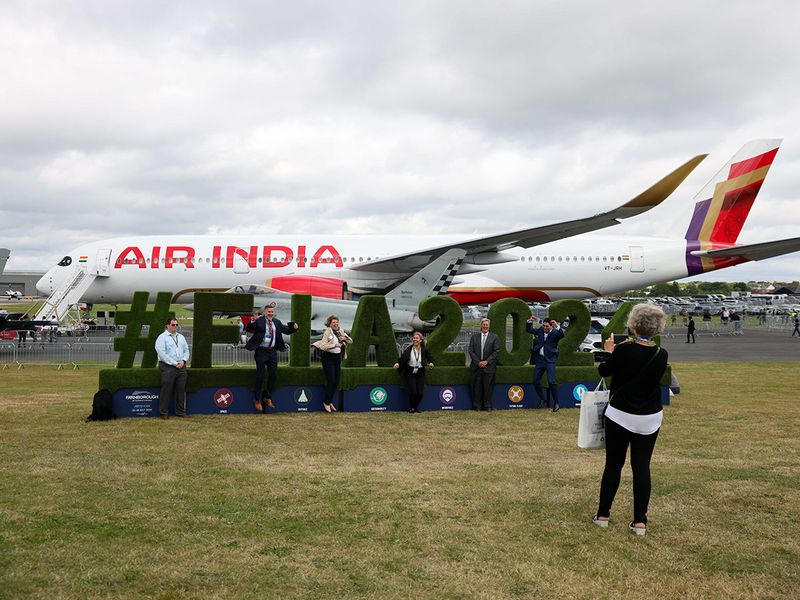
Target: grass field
[{"x": 455, "y": 505}]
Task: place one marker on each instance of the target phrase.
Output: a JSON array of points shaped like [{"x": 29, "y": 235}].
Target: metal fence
[
  {"x": 97, "y": 348},
  {"x": 100, "y": 352}
]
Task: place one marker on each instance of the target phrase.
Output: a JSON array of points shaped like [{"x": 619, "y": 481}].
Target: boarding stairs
[{"x": 57, "y": 306}]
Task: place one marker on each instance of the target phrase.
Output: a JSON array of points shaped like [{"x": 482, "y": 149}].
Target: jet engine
[{"x": 320, "y": 287}]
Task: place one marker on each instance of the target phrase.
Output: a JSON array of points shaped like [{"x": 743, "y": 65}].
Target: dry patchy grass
[{"x": 452, "y": 505}]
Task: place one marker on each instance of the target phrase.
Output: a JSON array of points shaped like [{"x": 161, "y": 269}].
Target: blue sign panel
[
  {"x": 442, "y": 397},
  {"x": 375, "y": 398},
  {"x": 513, "y": 396},
  {"x": 140, "y": 402},
  {"x": 143, "y": 402}
]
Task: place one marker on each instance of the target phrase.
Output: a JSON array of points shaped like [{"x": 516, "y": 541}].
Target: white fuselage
[{"x": 578, "y": 267}]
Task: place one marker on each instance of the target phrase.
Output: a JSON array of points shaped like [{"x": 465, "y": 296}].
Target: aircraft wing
[
  {"x": 490, "y": 246},
  {"x": 754, "y": 251}
]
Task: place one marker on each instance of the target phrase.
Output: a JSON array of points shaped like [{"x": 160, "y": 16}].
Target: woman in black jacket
[
  {"x": 412, "y": 364},
  {"x": 634, "y": 414}
]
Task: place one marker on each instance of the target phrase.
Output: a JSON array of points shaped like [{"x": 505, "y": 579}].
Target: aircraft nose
[{"x": 45, "y": 285}]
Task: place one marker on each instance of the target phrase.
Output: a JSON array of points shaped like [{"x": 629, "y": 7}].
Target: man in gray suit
[{"x": 484, "y": 346}]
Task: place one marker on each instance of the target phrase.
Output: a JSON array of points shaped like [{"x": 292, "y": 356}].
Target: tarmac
[{"x": 757, "y": 344}]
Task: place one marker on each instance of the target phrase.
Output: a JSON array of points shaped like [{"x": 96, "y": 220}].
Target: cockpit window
[{"x": 65, "y": 262}]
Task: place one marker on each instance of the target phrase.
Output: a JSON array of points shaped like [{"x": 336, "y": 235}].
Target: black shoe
[
  {"x": 556, "y": 407},
  {"x": 541, "y": 404}
]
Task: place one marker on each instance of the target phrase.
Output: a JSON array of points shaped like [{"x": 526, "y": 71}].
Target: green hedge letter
[
  {"x": 372, "y": 327},
  {"x": 205, "y": 333},
  {"x": 519, "y": 312},
  {"x": 446, "y": 330},
  {"x": 299, "y": 355},
  {"x": 579, "y": 321}
]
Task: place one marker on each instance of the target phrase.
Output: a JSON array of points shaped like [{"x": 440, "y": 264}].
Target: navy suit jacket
[
  {"x": 259, "y": 329},
  {"x": 550, "y": 345}
]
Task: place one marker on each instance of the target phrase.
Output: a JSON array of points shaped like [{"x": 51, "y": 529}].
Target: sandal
[
  {"x": 637, "y": 530},
  {"x": 600, "y": 522}
]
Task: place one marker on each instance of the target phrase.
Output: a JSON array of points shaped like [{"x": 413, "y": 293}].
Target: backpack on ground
[{"x": 102, "y": 408}]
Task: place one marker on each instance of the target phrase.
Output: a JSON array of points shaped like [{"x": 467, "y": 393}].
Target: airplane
[
  {"x": 544, "y": 263},
  {"x": 403, "y": 301}
]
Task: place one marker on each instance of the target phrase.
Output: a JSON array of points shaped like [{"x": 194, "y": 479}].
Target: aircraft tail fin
[
  {"x": 724, "y": 203},
  {"x": 4, "y": 254},
  {"x": 433, "y": 280}
]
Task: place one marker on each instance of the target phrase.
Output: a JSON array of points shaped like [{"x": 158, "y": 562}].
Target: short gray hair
[
  {"x": 485, "y": 319},
  {"x": 647, "y": 320}
]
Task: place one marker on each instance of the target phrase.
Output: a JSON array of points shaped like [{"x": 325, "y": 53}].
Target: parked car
[{"x": 593, "y": 342}]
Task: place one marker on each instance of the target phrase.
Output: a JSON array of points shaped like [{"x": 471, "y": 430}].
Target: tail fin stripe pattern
[
  {"x": 724, "y": 203},
  {"x": 751, "y": 164}
]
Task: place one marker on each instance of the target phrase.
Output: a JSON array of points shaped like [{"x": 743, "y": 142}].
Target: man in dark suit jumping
[
  {"x": 544, "y": 355},
  {"x": 266, "y": 342}
]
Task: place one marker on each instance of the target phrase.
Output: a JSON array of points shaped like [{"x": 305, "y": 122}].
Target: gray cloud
[{"x": 189, "y": 117}]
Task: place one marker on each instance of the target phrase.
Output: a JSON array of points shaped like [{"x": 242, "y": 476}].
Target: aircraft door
[
  {"x": 103, "y": 262},
  {"x": 637, "y": 259},
  {"x": 240, "y": 265}
]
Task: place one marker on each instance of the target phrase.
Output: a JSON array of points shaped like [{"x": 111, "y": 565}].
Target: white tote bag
[{"x": 591, "y": 426}]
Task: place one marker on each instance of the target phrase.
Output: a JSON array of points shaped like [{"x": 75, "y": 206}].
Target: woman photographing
[{"x": 634, "y": 414}]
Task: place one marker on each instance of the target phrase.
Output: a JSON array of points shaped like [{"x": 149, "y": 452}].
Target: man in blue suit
[
  {"x": 266, "y": 342},
  {"x": 544, "y": 355}
]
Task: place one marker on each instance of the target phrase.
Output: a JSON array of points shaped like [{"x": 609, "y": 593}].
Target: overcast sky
[{"x": 144, "y": 117}]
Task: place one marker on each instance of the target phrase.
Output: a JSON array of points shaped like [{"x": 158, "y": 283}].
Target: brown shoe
[
  {"x": 165, "y": 417},
  {"x": 270, "y": 404},
  {"x": 259, "y": 408}
]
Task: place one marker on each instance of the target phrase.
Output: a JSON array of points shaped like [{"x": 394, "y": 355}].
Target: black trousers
[
  {"x": 482, "y": 386},
  {"x": 617, "y": 441},
  {"x": 173, "y": 383},
  {"x": 416, "y": 386},
  {"x": 266, "y": 360},
  {"x": 690, "y": 335},
  {"x": 332, "y": 367}
]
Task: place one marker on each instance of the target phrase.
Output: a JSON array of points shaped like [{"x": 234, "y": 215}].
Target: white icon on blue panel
[{"x": 578, "y": 391}]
